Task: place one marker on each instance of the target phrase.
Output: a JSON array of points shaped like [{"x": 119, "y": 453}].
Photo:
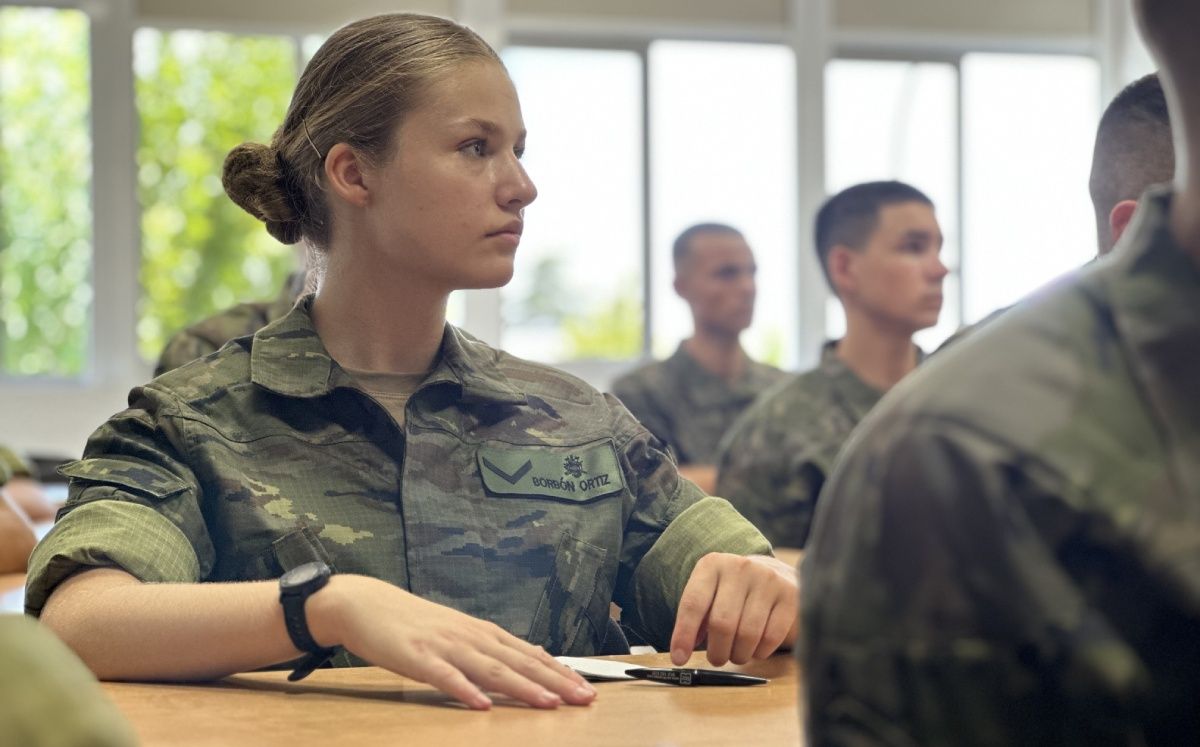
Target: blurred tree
[
  {"x": 198, "y": 95},
  {"x": 612, "y": 331},
  {"x": 45, "y": 197}
]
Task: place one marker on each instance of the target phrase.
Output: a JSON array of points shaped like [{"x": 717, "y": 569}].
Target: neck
[
  {"x": 718, "y": 353},
  {"x": 877, "y": 354},
  {"x": 1185, "y": 205},
  {"x": 374, "y": 321}
]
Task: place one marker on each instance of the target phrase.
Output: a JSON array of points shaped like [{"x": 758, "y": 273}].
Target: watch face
[{"x": 303, "y": 574}]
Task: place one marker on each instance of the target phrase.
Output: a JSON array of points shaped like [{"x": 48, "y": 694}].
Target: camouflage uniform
[
  {"x": 11, "y": 465},
  {"x": 688, "y": 407},
  {"x": 48, "y": 698},
  {"x": 513, "y": 492},
  {"x": 775, "y": 458},
  {"x": 208, "y": 335},
  {"x": 1009, "y": 552}
]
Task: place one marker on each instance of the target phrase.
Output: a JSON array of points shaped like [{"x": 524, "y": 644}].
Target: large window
[
  {"x": 1016, "y": 180},
  {"x": 45, "y": 192},
  {"x": 725, "y": 151},
  {"x": 198, "y": 95},
  {"x": 577, "y": 289},
  {"x": 719, "y": 151}
]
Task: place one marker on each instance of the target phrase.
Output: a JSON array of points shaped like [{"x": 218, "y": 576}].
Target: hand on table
[
  {"x": 456, "y": 653},
  {"x": 746, "y": 608}
]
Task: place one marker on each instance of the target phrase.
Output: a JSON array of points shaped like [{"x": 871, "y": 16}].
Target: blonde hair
[{"x": 355, "y": 90}]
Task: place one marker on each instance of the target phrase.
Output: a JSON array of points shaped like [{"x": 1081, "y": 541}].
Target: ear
[
  {"x": 841, "y": 264},
  {"x": 680, "y": 285},
  {"x": 345, "y": 175},
  {"x": 1118, "y": 219}
]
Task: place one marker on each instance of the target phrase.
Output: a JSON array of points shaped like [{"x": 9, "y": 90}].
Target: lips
[{"x": 513, "y": 228}]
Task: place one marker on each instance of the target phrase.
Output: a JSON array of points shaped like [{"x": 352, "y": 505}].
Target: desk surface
[{"x": 370, "y": 706}]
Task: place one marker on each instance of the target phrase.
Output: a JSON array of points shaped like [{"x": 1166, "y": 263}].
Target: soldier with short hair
[
  {"x": 208, "y": 335},
  {"x": 690, "y": 399},
  {"x": 361, "y": 477},
  {"x": 1009, "y": 550},
  {"x": 879, "y": 245}
]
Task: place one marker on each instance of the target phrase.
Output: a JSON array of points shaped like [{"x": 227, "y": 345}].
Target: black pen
[{"x": 689, "y": 677}]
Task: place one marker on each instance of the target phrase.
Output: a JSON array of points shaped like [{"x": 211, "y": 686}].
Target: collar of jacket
[
  {"x": 288, "y": 358},
  {"x": 1153, "y": 287}
]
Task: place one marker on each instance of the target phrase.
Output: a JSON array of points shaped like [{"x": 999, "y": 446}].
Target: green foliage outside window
[
  {"x": 198, "y": 95},
  {"x": 45, "y": 198}
]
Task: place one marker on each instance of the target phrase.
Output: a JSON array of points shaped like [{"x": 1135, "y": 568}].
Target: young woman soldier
[{"x": 476, "y": 510}]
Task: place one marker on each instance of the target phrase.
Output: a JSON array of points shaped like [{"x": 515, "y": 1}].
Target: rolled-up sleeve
[
  {"x": 134, "y": 504},
  {"x": 671, "y": 526}
]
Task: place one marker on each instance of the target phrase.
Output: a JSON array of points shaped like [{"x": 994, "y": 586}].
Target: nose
[
  {"x": 515, "y": 189},
  {"x": 939, "y": 269}
]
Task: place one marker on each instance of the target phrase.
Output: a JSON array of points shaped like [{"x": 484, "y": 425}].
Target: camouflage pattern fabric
[
  {"x": 11, "y": 465},
  {"x": 207, "y": 336},
  {"x": 1008, "y": 551},
  {"x": 48, "y": 698},
  {"x": 688, "y": 407},
  {"x": 774, "y": 460},
  {"x": 513, "y": 492}
]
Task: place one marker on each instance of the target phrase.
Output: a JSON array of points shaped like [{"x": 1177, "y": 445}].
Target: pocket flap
[
  {"x": 573, "y": 473},
  {"x": 136, "y": 476}
]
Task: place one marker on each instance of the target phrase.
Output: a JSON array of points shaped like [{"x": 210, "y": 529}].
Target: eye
[{"x": 476, "y": 148}]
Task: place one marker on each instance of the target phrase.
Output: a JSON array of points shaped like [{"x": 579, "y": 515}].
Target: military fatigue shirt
[
  {"x": 1009, "y": 550},
  {"x": 688, "y": 407},
  {"x": 11, "y": 465},
  {"x": 208, "y": 335},
  {"x": 774, "y": 460},
  {"x": 513, "y": 492},
  {"x": 48, "y": 698}
]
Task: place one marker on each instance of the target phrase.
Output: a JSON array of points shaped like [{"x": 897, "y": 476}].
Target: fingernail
[
  {"x": 585, "y": 691},
  {"x": 549, "y": 698}
]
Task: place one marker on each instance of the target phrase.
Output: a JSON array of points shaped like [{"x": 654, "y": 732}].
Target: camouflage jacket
[
  {"x": 688, "y": 407},
  {"x": 774, "y": 460},
  {"x": 513, "y": 492},
  {"x": 1009, "y": 550},
  {"x": 208, "y": 335},
  {"x": 11, "y": 465},
  {"x": 48, "y": 698}
]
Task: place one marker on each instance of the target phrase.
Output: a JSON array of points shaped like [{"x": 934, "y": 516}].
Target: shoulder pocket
[
  {"x": 140, "y": 478},
  {"x": 572, "y": 473}
]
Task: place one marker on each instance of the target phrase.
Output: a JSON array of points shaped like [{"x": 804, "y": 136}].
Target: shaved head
[{"x": 1133, "y": 151}]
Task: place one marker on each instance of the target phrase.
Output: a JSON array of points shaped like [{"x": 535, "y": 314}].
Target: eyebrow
[
  {"x": 929, "y": 235},
  {"x": 489, "y": 127}
]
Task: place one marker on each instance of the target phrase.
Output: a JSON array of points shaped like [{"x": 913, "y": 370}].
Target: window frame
[{"x": 57, "y": 413}]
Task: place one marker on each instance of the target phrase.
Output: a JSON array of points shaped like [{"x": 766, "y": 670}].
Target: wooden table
[
  {"x": 789, "y": 555},
  {"x": 371, "y": 706}
]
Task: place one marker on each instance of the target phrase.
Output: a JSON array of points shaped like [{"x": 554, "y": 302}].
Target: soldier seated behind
[
  {"x": 879, "y": 245},
  {"x": 690, "y": 400},
  {"x": 478, "y": 509},
  {"x": 1007, "y": 552}
]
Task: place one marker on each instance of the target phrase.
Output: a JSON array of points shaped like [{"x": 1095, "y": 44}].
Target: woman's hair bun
[{"x": 253, "y": 178}]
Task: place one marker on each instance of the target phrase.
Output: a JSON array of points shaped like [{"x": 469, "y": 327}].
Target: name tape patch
[{"x": 575, "y": 473}]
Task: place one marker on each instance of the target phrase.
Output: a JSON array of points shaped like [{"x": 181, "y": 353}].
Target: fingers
[
  {"x": 492, "y": 674},
  {"x": 780, "y": 629},
  {"x": 693, "y": 609},
  {"x": 535, "y": 665},
  {"x": 728, "y": 608},
  {"x": 746, "y": 607},
  {"x": 454, "y": 683}
]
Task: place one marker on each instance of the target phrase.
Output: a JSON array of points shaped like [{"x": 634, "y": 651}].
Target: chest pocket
[{"x": 553, "y": 499}]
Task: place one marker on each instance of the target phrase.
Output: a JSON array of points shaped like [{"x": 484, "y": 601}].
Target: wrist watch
[{"x": 295, "y": 587}]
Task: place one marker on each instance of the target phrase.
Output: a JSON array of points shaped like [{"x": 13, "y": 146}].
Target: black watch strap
[{"x": 295, "y": 587}]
